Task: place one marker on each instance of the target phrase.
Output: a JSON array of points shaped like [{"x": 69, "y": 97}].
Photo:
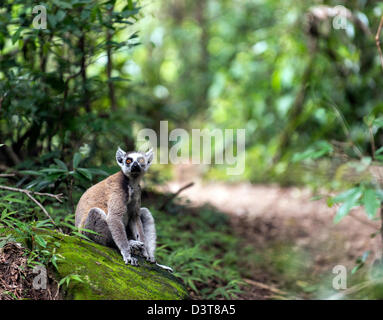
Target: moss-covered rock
[{"x": 104, "y": 274}]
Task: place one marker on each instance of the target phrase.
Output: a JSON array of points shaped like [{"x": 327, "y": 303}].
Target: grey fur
[
  {"x": 150, "y": 232},
  {"x": 123, "y": 223},
  {"x": 96, "y": 221}
]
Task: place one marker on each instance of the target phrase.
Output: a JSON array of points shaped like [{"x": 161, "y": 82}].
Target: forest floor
[
  {"x": 288, "y": 243},
  {"x": 291, "y": 241}
]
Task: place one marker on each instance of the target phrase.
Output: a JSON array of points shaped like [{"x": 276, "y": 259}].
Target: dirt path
[{"x": 266, "y": 215}]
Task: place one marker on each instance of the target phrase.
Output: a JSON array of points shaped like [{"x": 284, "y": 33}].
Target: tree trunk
[
  {"x": 86, "y": 96},
  {"x": 109, "y": 68}
]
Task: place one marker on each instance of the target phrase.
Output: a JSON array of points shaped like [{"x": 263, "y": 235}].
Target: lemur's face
[{"x": 134, "y": 164}]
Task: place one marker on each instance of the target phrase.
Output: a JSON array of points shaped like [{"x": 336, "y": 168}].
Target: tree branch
[
  {"x": 29, "y": 194},
  {"x": 58, "y": 197},
  {"x": 176, "y": 194},
  {"x": 7, "y": 175}
]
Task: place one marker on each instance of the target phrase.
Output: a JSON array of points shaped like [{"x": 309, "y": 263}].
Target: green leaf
[
  {"x": 32, "y": 172},
  {"x": 81, "y": 235},
  {"x": 320, "y": 149},
  {"x": 85, "y": 172},
  {"x": 369, "y": 120},
  {"x": 379, "y": 194},
  {"x": 342, "y": 197},
  {"x": 96, "y": 171},
  {"x": 62, "y": 4},
  {"x": 76, "y": 278},
  {"x": 360, "y": 261},
  {"x": 16, "y": 35},
  {"x": 378, "y": 122},
  {"x": 40, "y": 241},
  {"x": 350, "y": 201},
  {"x": 379, "y": 151},
  {"x": 60, "y": 15},
  {"x": 5, "y": 214},
  {"x": 43, "y": 223},
  {"x": 54, "y": 261},
  {"x": 53, "y": 170},
  {"x": 370, "y": 202},
  {"x": 46, "y": 47},
  {"x": 15, "y": 200},
  {"x": 76, "y": 160},
  {"x": 61, "y": 164},
  {"x": 87, "y": 230}
]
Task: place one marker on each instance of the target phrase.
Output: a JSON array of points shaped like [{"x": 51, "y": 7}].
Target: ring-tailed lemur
[{"x": 112, "y": 208}]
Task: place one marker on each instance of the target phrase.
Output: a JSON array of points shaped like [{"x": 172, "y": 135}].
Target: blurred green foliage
[
  {"x": 104, "y": 69},
  {"x": 267, "y": 67},
  {"x": 202, "y": 249}
]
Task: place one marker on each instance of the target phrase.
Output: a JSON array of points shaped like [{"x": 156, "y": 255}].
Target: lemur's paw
[
  {"x": 137, "y": 247},
  {"x": 134, "y": 244},
  {"x": 132, "y": 261},
  {"x": 150, "y": 259},
  {"x": 128, "y": 259}
]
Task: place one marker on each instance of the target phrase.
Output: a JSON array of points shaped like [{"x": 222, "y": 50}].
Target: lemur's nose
[{"x": 136, "y": 167}]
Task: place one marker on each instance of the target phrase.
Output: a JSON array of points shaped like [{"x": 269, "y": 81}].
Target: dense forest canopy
[{"x": 271, "y": 67}]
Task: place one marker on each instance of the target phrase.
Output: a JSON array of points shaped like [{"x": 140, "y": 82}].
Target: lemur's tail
[{"x": 164, "y": 267}]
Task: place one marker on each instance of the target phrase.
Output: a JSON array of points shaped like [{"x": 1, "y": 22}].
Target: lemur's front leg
[
  {"x": 117, "y": 229},
  {"x": 115, "y": 221},
  {"x": 137, "y": 231}
]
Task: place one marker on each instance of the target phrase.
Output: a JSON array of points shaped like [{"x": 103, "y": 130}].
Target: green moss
[{"x": 104, "y": 274}]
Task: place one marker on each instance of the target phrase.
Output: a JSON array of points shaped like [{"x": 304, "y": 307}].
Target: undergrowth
[
  {"x": 196, "y": 243},
  {"x": 200, "y": 246}
]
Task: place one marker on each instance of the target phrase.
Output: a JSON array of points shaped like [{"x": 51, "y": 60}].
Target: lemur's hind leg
[
  {"x": 96, "y": 221},
  {"x": 149, "y": 229}
]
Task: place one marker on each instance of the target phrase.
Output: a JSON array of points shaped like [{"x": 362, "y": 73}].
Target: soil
[{"x": 16, "y": 280}]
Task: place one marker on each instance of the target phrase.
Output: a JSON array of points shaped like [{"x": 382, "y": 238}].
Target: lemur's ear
[
  {"x": 149, "y": 157},
  {"x": 120, "y": 154}
]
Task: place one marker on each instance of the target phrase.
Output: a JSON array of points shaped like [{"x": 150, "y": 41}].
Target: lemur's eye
[
  {"x": 142, "y": 160},
  {"x": 128, "y": 161}
]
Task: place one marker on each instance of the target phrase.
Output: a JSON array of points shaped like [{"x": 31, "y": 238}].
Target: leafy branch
[{"x": 29, "y": 193}]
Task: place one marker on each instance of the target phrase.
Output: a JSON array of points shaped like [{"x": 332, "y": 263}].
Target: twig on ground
[
  {"x": 356, "y": 288},
  {"x": 175, "y": 195},
  {"x": 29, "y": 194},
  {"x": 267, "y": 287},
  {"x": 7, "y": 175}
]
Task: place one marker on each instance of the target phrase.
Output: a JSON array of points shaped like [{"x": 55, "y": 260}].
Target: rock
[{"x": 104, "y": 274}]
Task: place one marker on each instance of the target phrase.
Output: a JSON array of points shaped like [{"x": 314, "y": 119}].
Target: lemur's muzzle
[{"x": 135, "y": 167}]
